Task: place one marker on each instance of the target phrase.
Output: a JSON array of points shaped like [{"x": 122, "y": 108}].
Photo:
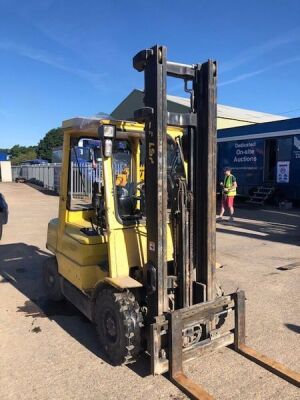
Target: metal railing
[
  {"x": 82, "y": 178},
  {"x": 44, "y": 175},
  {"x": 48, "y": 176}
]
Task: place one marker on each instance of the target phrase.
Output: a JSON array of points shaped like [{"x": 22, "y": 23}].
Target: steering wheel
[{"x": 140, "y": 186}]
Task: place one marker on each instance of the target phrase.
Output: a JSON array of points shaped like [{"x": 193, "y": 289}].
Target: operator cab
[{"x": 127, "y": 154}]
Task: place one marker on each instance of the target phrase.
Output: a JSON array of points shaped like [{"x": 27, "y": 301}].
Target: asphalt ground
[{"x": 51, "y": 352}]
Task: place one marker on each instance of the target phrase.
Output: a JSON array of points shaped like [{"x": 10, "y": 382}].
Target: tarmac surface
[{"x": 51, "y": 352}]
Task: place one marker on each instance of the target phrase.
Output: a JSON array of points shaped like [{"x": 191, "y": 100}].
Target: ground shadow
[
  {"x": 21, "y": 266},
  {"x": 294, "y": 328},
  {"x": 39, "y": 186},
  {"x": 142, "y": 366},
  {"x": 268, "y": 224}
]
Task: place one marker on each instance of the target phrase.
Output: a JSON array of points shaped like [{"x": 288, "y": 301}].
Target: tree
[
  {"x": 27, "y": 153},
  {"x": 53, "y": 138},
  {"x": 19, "y": 153}
]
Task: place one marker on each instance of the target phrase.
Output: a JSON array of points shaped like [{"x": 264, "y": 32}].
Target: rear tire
[
  {"x": 118, "y": 322},
  {"x": 51, "y": 280}
]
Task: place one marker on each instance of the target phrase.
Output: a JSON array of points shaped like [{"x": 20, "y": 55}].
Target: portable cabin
[
  {"x": 4, "y": 156},
  {"x": 263, "y": 155}
]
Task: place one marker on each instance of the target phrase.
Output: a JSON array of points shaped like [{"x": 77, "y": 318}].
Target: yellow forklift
[{"x": 134, "y": 244}]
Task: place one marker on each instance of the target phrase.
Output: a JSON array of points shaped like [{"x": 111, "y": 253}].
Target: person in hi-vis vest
[{"x": 228, "y": 193}]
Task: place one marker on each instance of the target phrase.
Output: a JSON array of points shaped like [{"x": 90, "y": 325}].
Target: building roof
[
  {"x": 270, "y": 129},
  {"x": 180, "y": 104}
]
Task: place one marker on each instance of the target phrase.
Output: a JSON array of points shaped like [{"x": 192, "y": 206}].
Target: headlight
[{"x": 107, "y": 131}]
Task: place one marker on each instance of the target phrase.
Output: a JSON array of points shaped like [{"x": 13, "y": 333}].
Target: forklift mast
[
  {"x": 194, "y": 242},
  {"x": 184, "y": 310}
]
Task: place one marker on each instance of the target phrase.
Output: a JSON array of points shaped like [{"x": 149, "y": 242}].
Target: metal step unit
[{"x": 262, "y": 194}]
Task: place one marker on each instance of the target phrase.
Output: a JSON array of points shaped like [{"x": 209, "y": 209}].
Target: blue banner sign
[{"x": 242, "y": 154}]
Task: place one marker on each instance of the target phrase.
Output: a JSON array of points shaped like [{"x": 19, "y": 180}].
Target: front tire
[
  {"x": 118, "y": 322},
  {"x": 51, "y": 280}
]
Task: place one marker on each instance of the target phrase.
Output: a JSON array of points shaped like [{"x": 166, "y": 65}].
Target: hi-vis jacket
[{"x": 228, "y": 182}]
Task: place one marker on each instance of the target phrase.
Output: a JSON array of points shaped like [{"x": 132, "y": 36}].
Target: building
[
  {"x": 226, "y": 116},
  {"x": 263, "y": 154},
  {"x": 4, "y": 156}
]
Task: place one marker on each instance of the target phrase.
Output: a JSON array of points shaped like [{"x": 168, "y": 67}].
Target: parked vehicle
[
  {"x": 36, "y": 161},
  {"x": 3, "y": 213}
]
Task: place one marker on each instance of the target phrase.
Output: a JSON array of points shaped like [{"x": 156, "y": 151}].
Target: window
[
  {"x": 130, "y": 188},
  {"x": 57, "y": 155},
  {"x": 284, "y": 149},
  {"x": 175, "y": 166},
  {"x": 85, "y": 170},
  {"x": 126, "y": 185}
]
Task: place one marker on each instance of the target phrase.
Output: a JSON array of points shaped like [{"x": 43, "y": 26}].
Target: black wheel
[
  {"x": 51, "y": 279},
  {"x": 1, "y": 230},
  {"x": 118, "y": 321}
]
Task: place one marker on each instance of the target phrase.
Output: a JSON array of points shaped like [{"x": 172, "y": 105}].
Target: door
[
  {"x": 270, "y": 160},
  {"x": 276, "y": 150}
]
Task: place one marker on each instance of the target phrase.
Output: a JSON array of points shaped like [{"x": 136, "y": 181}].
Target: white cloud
[
  {"x": 259, "y": 50},
  {"x": 248, "y": 75},
  {"x": 56, "y": 62}
]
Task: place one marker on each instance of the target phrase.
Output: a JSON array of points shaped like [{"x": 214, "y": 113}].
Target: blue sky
[{"x": 62, "y": 58}]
